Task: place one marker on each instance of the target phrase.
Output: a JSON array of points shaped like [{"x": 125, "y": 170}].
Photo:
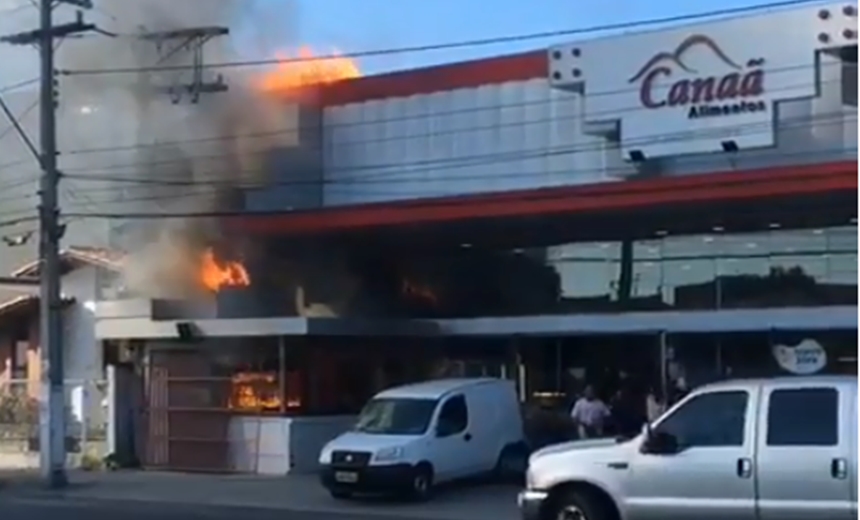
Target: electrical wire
[
  {"x": 435, "y": 167},
  {"x": 402, "y": 170},
  {"x": 734, "y": 11},
  {"x": 115, "y": 172},
  {"x": 608, "y": 172},
  {"x": 24, "y": 113},
  {"x": 15, "y": 86},
  {"x": 472, "y": 111},
  {"x": 472, "y": 43},
  {"x": 407, "y": 169}
]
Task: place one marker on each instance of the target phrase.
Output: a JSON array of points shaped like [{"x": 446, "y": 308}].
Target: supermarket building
[{"x": 679, "y": 202}]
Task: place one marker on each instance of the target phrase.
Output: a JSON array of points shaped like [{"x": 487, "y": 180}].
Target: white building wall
[
  {"x": 83, "y": 360},
  {"x": 516, "y": 135},
  {"x": 525, "y": 134}
]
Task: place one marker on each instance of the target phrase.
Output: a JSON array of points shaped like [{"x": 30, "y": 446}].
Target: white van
[
  {"x": 410, "y": 438},
  {"x": 763, "y": 449}
]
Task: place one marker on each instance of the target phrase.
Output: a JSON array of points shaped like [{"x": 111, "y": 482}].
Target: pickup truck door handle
[
  {"x": 839, "y": 468},
  {"x": 744, "y": 468}
]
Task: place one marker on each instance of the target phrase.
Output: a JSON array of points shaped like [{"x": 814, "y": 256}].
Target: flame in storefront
[
  {"x": 215, "y": 274},
  {"x": 419, "y": 292},
  {"x": 261, "y": 392},
  {"x": 307, "y": 69},
  {"x": 255, "y": 392}
]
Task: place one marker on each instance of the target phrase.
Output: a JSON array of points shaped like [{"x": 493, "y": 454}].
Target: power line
[
  {"x": 514, "y": 174},
  {"x": 403, "y": 169},
  {"x": 15, "y": 86},
  {"x": 468, "y": 43},
  {"x": 408, "y": 170},
  {"x": 116, "y": 168},
  {"x": 407, "y": 176},
  {"x": 291, "y": 131}
]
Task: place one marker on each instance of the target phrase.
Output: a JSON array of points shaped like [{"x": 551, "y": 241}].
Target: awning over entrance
[
  {"x": 724, "y": 187},
  {"x": 746, "y": 320},
  {"x": 147, "y": 328}
]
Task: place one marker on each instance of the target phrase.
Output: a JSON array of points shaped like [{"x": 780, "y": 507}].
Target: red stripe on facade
[
  {"x": 640, "y": 194},
  {"x": 469, "y": 74}
]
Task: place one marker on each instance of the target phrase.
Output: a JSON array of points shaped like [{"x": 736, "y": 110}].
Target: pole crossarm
[
  {"x": 58, "y": 31},
  {"x": 83, "y": 4}
]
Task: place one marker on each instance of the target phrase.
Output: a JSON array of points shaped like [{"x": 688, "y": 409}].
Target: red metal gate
[{"x": 186, "y": 415}]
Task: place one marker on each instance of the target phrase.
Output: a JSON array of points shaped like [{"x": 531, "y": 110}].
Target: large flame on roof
[{"x": 305, "y": 70}]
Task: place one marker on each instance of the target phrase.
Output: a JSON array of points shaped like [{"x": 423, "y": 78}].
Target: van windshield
[{"x": 396, "y": 416}]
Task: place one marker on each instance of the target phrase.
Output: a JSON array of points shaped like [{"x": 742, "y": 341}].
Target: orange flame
[
  {"x": 290, "y": 75},
  {"x": 214, "y": 274},
  {"x": 259, "y": 392}
]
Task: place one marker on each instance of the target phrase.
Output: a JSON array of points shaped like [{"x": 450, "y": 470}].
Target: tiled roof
[
  {"x": 24, "y": 303},
  {"x": 97, "y": 256}
]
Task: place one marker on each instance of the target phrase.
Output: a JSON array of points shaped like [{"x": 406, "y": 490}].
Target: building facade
[{"x": 679, "y": 204}]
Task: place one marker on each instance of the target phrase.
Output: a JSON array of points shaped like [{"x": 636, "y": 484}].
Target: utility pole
[{"x": 52, "y": 406}]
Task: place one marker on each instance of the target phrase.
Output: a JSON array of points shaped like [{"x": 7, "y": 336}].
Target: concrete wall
[
  {"x": 282, "y": 445},
  {"x": 83, "y": 361}
]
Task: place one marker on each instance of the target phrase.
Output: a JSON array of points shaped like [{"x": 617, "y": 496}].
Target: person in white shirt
[
  {"x": 654, "y": 406},
  {"x": 589, "y": 413}
]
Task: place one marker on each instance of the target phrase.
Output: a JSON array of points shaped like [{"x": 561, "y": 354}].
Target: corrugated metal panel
[
  {"x": 524, "y": 135},
  {"x": 503, "y": 137},
  {"x": 808, "y": 131}
]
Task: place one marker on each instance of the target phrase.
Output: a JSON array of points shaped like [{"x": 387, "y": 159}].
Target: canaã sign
[{"x": 737, "y": 91}]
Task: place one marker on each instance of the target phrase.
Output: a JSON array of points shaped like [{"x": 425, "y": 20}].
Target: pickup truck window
[
  {"x": 709, "y": 420},
  {"x": 803, "y": 417}
]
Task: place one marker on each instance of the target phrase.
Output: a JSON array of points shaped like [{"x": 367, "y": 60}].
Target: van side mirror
[{"x": 660, "y": 443}]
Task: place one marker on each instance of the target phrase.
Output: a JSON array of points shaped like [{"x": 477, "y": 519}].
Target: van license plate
[{"x": 346, "y": 477}]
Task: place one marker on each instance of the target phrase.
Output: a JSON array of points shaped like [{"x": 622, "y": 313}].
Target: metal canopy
[
  {"x": 146, "y": 328},
  {"x": 673, "y": 322}
]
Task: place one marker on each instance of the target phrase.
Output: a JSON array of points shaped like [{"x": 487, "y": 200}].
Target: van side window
[
  {"x": 803, "y": 417},
  {"x": 454, "y": 417},
  {"x": 709, "y": 420}
]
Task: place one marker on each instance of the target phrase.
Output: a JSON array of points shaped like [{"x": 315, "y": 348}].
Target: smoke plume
[{"x": 139, "y": 131}]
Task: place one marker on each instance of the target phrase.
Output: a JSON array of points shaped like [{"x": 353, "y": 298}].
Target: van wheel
[
  {"x": 422, "y": 483},
  {"x": 512, "y": 463},
  {"x": 580, "y": 505}
]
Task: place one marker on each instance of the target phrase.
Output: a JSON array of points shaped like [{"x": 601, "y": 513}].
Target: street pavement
[
  {"x": 152, "y": 494},
  {"x": 72, "y": 509}
]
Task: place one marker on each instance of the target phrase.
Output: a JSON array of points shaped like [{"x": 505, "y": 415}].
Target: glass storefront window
[
  {"x": 647, "y": 269},
  {"x": 586, "y": 270},
  {"x": 771, "y": 268}
]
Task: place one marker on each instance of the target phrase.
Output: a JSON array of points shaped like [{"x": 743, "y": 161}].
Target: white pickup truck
[{"x": 765, "y": 449}]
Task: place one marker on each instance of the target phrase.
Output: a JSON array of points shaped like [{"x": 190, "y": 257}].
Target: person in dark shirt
[{"x": 627, "y": 412}]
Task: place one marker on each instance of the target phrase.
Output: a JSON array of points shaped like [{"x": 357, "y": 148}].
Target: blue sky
[
  {"x": 355, "y": 25},
  {"x": 360, "y": 25}
]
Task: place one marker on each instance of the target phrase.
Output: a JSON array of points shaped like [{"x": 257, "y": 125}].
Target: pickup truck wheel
[{"x": 580, "y": 505}]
